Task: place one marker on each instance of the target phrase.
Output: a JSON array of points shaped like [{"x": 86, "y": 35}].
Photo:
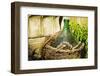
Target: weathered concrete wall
[{"x": 41, "y": 26}]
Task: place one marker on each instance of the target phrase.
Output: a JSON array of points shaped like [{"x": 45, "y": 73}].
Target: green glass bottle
[{"x": 65, "y": 35}]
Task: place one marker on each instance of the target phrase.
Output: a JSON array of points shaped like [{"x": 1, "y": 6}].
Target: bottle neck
[{"x": 66, "y": 24}]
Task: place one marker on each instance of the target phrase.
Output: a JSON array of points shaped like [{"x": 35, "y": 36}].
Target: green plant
[{"x": 80, "y": 33}]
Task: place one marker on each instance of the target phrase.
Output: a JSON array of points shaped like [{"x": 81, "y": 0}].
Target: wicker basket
[
  {"x": 63, "y": 51},
  {"x": 50, "y": 52}
]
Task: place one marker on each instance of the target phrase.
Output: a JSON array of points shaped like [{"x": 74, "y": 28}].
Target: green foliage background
[{"x": 80, "y": 33}]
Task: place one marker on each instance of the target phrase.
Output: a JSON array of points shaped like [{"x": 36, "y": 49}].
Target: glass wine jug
[{"x": 65, "y": 35}]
